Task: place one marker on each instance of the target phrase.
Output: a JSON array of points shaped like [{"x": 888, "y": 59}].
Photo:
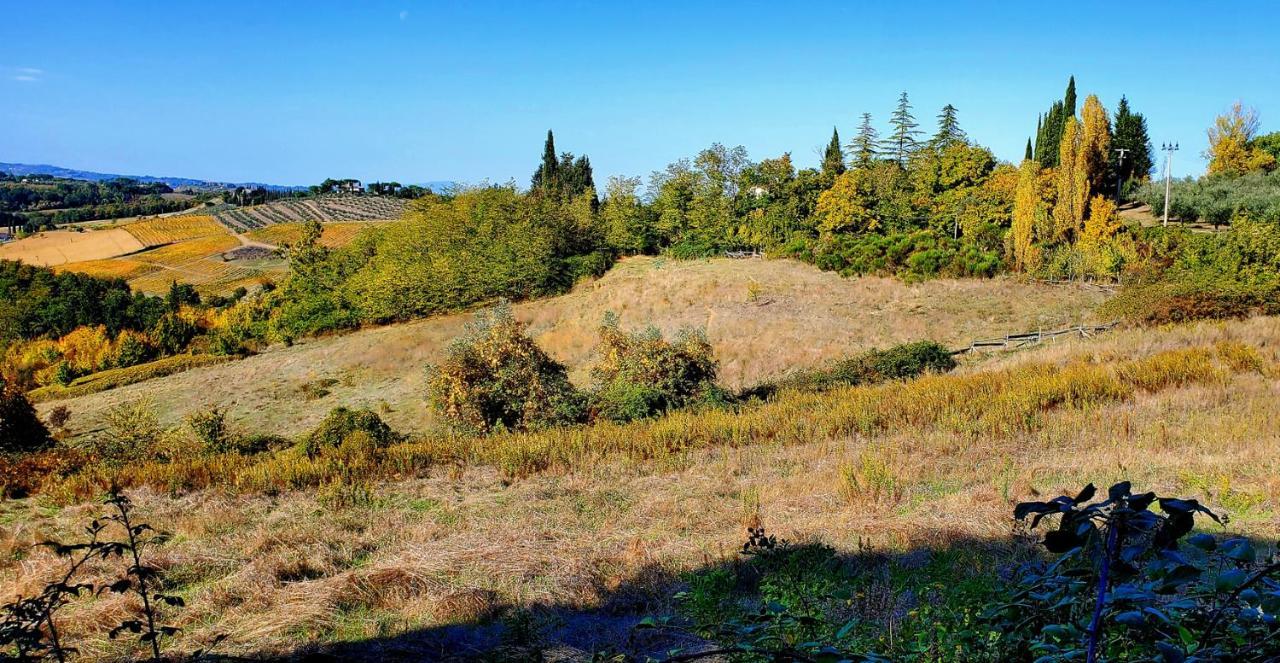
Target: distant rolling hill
[
  {"x": 439, "y": 186},
  {"x": 175, "y": 182}
]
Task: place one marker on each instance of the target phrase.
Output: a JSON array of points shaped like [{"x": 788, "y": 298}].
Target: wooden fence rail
[{"x": 1033, "y": 338}]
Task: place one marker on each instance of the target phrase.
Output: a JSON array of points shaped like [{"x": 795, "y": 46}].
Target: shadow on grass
[{"x": 888, "y": 586}]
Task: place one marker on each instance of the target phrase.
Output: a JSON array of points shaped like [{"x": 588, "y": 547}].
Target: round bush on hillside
[
  {"x": 643, "y": 374},
  {"x": 496, "y": 378},
  {"x": 20, "y": 429},
  {"x": 342, "y": 423}
]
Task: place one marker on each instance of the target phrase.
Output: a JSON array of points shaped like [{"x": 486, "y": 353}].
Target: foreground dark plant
[
  {"x": 1124, "y": 587},
  {"x": 29, "y": 626}
]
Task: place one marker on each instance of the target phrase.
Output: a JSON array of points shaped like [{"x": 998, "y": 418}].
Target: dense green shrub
[
  {"x": 340, "y": 423},
  {"x": 495, "y": 377},
  {"x": 642, "y": 374},
  {"x": 445, "y": 254},
  {"x": 1225, "y": 275},
  {"x": 20, "y": 429},
  {"x": 900, "y": 362},
  {"x": 920, "y": 254}
]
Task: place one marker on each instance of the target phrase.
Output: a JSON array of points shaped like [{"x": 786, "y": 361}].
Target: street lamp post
[
  {"x": 1169, "y": 149},
  {"x": 1120, "y": 171}
]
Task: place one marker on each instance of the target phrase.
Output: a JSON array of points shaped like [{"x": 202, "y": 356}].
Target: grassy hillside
[
  {"x": 921, "y": 505},
  {"x": 797, "y": 317}
]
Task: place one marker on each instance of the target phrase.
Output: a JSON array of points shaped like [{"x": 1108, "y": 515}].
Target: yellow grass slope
[
  {"x": 281, "y": 571},
  {"x": 59, "y": 247},
  {"x": 799, "y": 316}
]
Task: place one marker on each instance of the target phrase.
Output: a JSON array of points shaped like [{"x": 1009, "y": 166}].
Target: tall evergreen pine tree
[
  {"x": 1131, "y": 135},
  {"x": 833, "y": 157},
  {"x": 1029, "y": 154},
  {"x": 1039, "y": 148},
  {"x": 905, "y": 135},
  {"x": 949, "y": 130},
  {"x": 864, "y": 147}
]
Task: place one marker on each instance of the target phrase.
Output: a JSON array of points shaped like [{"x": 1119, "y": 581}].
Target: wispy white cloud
[{"x": 25, "y": 74}]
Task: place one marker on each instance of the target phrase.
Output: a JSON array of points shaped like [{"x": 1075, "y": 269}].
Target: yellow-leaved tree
[
  {"x": 1095, "y": 144},
  {"x": 1072, "y": 183},
  {"x": 1027, "y": 206},
  {"x": 1230, "y": 152},
  {"x": 1102, "y": 223},
  {"x": 846, "y": 206}
]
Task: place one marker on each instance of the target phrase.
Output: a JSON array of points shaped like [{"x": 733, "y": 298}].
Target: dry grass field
[
  {"x": 59, "y": 247},
  {"x": 184, "y": 248},
  {"x": 109, "y": 268},
  {"x": 414, "y": 569},
  {"x": 801, "y": 317}
]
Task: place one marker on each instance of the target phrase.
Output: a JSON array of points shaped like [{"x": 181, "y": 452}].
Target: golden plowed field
[
  {"x": 110, "y": 268},
  {"x": 176, "y": 255},
  {"x": 59, "y": 247},
  {"x": 154, "y": 232}
]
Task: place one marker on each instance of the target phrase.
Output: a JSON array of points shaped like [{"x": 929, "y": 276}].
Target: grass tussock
[{"x": 977, "y": 406}]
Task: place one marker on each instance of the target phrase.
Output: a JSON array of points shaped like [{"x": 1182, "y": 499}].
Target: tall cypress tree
[
  {"x": 1039, "y": 149},
  {"x": 1049, "y": 133},
  {"x": 949, "y": 130},
  {"x": 1131, "y": 135},
  {"x": 863, "y": 148},
  {"x": 1029, "y": 154},
  {"x": 547, "y": 174},
  {"x": 833, "y": 157},
  {"x": 905, "y": 135}
]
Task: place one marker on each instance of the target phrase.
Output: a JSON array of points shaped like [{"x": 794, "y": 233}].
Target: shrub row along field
[
  {"x": 117, "y": 377},
  {"x": 323, "y": 209},
  {"x": 334, "y": 235},
  {"x": 910, "y": 484}
]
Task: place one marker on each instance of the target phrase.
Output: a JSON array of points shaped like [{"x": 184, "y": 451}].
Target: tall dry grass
[
  {"x": 1193, "y": 411},
  {"x": 987, "y": 405}
]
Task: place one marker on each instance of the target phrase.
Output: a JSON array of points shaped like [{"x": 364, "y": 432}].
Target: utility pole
[
  {"x": 1119, "y": 171},
  {"x": 1169, "y": 149}
]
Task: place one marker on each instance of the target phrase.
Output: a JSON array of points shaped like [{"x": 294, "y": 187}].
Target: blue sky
[{"x": 290, "y": 93}]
